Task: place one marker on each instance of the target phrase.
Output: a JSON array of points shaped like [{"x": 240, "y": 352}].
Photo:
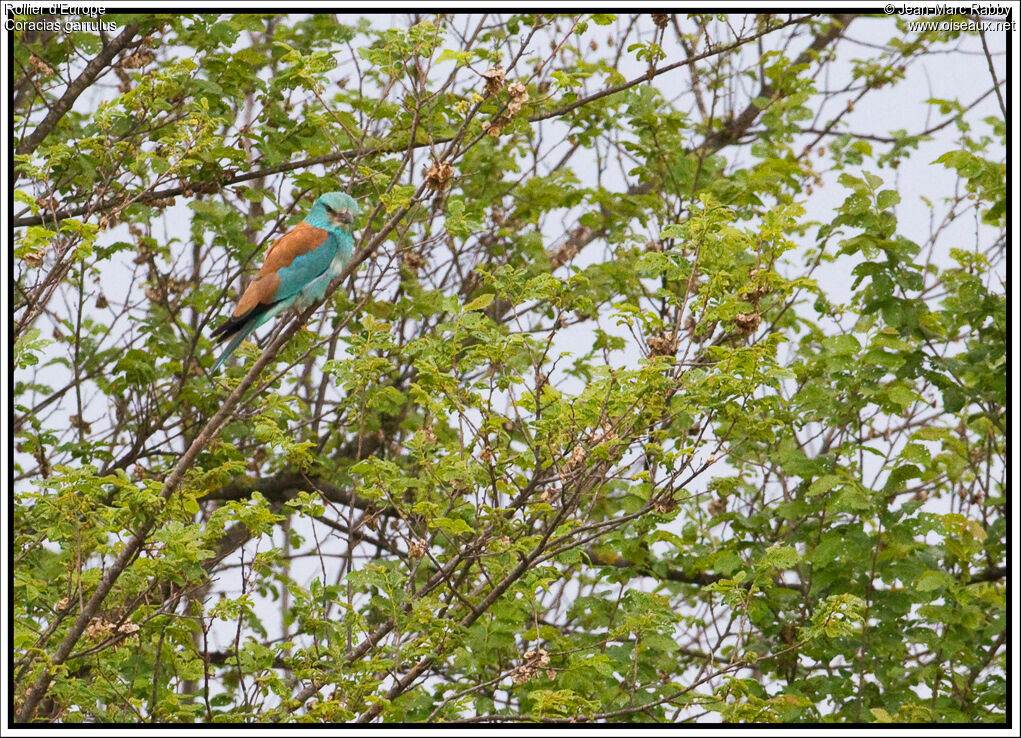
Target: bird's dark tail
[
  {"x": 236, "y": 323},
  {"x": 238, "y": 327}
]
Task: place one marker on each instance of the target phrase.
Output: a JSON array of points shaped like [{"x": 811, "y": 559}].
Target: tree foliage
[{"x": 607, "y": 419}]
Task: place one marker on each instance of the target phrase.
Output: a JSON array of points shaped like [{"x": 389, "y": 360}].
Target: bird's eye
[{"x": 332, "y": 211}]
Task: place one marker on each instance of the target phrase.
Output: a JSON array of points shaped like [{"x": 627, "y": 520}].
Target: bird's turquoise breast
[{"x": 306, "y": 267}]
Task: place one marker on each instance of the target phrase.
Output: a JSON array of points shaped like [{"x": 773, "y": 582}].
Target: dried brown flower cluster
[
  {"x": 39, "y": 65},
  {"x": 518, "y": 97},
  {"x": 535, "y": 660},
  {"x": 495, "y": 78},
  {"x": 413, "y": 261},
  {"x": 664, "y": 344},
  {"x": 747, "y": 323},
  {"x": 35, "y": 258},
  {"x": 100, "y": 628},
  {"x": 438, "y": 175},
  {"x": 138, "y": 59},
  {"x": 605, "y": 434}
]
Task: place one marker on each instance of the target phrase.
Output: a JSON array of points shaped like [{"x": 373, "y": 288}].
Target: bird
[{"x": 298, "y": 268}]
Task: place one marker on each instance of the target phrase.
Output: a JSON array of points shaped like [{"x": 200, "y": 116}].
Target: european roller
[{"x": 298, "y": 268}]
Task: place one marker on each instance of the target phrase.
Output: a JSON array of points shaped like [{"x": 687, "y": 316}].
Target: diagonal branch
[
  {"x": 714, "y": 51},
  {"x": 76, "y": 88},
  {"x": 737, "y": 126}
]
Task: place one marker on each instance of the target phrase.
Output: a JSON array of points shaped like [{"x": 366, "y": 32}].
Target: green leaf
[
  {"x": 480, "y": 303},
  {"x": 824, "y": 484},
  {"x": 931, "y": 580},
  {"x": 454, "y": 526},
  {"x": 881, "y": 715}
]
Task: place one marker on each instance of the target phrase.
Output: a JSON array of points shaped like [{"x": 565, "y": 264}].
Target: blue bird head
[{"x": 333, "y": 211}]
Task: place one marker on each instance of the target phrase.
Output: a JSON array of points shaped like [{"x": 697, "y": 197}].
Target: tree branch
[
  {"x": 737, "y": 126},
  {"x": 76, "y": 88},
  {"x": 190, "y": 188},
  {"x": 204, "y": 438},
  {"x": 276, "y": 488}
]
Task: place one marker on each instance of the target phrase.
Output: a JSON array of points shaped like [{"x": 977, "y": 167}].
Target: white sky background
[{"x": 961, "y": 75}]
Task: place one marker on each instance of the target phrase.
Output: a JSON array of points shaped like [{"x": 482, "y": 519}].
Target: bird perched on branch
[{"x": 298, "y": 268}]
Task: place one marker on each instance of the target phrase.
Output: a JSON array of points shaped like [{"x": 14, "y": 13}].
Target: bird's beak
[{"x": 344, "y": 216}]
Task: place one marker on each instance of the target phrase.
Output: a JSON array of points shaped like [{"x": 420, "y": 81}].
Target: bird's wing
[{"x": 300, "y": 255}]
